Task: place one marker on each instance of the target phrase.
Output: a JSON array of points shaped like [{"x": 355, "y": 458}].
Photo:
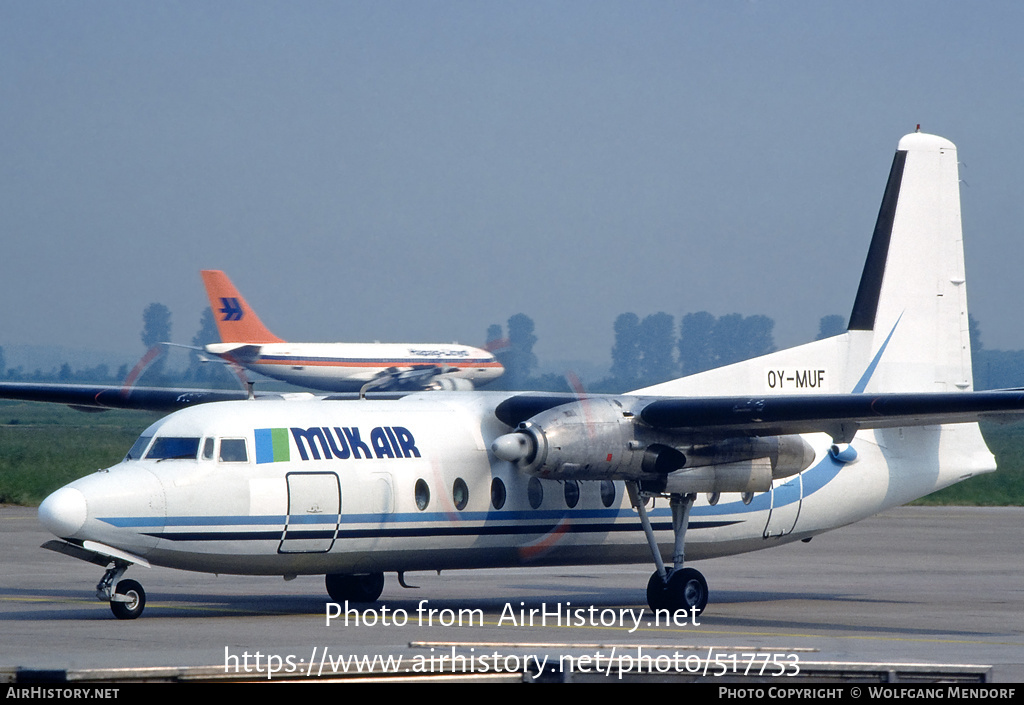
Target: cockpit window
[
  {"x": 170, "y": 447},
  {"x": 232, "y": 450},
  {"x": 138, "y": 448}
]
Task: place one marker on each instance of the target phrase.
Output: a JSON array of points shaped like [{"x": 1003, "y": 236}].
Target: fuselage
[
  {"x": 308, "y": 487},
  {"x": 346, "y": 367}
]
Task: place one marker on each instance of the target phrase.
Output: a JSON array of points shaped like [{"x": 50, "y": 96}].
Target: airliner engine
[{"x": 599, "y": 439}]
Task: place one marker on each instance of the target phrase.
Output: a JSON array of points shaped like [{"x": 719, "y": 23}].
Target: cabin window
[
  {"x": 460, "y": 494},
  {"x": 232, "y": 450},
  {"x": 138, "y": 448},
  {"x": 422, "y": 494},
  {"x": 572, "y": 493},
  {"x": 208, "y": 449},
  {"x": 173, "y": 448},
  {"x": 535, "y": 492},
  {"x": 607, "y": 493},
  {"x": 497, "y": 493}
]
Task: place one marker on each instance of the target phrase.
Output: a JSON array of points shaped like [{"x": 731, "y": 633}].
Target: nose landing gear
[{"x": 127, "y": 598}]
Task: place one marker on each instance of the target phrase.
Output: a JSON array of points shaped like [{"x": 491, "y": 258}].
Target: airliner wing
[
  {"x": 837, "y": 414},
  {"x": 700, "y": 419},
  {"x": 637, "y": 438},
  {"x": 98, "y": 397},
  {"x": 89, "y": 397}
]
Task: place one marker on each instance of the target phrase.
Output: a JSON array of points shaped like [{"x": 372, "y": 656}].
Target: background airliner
[{"x": 339, "y": 367}]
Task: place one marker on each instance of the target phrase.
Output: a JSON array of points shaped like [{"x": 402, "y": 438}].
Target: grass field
[
  {"x": 1003, "y": 487},
  {"x": 45, "y": 446}
]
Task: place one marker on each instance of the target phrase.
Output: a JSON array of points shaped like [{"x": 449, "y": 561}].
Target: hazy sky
[{"x": 415, "y": 171}]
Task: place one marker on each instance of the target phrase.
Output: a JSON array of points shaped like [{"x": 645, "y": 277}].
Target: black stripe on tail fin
[{"x": 866, "y": 304}]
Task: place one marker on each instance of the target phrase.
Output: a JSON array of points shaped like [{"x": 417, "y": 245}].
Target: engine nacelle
[
  {"x": 600, "y": 439},
  {"x": 447, "y": 383},
  {"x": 743, "y": 476},
  {"x": 586, "y": 439}
]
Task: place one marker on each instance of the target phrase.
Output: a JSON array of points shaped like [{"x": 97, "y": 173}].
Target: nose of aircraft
[{"x": 64, "y": 512}]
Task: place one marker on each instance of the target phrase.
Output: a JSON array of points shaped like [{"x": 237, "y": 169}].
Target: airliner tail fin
[{"x": 236, "y": 321}]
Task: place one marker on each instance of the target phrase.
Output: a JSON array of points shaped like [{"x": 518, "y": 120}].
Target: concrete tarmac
[{"x": 912, "y": 585}]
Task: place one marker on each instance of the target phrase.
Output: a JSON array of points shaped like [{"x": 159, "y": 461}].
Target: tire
[
  {"x": 657, "y": 592},
  {"x": 133, "y": 608},
  {"x": 687, "y": 589},
  {"x": 355, "y": 588}
]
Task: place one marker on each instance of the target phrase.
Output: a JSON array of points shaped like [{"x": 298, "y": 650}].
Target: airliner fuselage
[
  {"x": 348, "y": 367},
  {"x": 279, "y": 487}
]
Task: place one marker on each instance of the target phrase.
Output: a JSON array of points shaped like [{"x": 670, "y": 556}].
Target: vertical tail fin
[
  {"x": 236, "y": 321},
  {"x": 908, "y": 331},
  {"x": 912, "y": 296}
]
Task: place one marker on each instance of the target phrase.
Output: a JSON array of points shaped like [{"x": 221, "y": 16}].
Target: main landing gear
[
  {"x": 675, "y": 588},
  {"x": 127, "y": 598},
  {"x": 355, "y": 588}
]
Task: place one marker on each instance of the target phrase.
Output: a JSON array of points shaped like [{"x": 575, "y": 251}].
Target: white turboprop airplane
[
  {"x": 339, "y": 367},
  {"x": 750, "y": 456}
]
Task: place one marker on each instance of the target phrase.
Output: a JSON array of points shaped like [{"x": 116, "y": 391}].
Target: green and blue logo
[{"x": 337, "y": 442}]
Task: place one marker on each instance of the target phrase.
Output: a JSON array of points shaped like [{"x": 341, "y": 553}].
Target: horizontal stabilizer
[{"x": 239, "y": 352}]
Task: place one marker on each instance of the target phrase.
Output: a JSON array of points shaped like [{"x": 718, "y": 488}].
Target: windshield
[
  {"x": 138, "y": 448},
  {"x": 170, "y": 447}
]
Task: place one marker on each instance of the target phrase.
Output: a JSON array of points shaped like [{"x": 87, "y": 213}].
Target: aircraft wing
[
  {"x": 723, "y": 417},
  {"x": 837, "y": 414},
  {"x": 98, "y": 397},
  {"x": 89, "y": 397},
  {"x": 543, "y": 421},
  {"x": 629, "y": 437}
]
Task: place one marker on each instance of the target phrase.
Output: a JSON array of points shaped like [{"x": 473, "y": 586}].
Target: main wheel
[
  {"x": 687, "y": 589},
  {"x": 656, "y": 592},
  {"x": 136, "y": 600},
  {"x": 355, "y": 588}
]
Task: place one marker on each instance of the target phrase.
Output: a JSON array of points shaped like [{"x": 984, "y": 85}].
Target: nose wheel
[{"x": 127, "y": 598}]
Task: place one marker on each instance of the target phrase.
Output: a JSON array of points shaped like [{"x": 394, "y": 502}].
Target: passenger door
[{"x": 314, "y": 510}]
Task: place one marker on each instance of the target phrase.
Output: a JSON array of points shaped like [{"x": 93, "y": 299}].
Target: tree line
[
  {"x": 156, "y": 329},
  {"x": 654, "y": 349},
  {"x": 646, "y": 351}
]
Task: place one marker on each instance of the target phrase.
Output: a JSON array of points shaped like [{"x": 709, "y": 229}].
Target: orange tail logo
[{"x": 236, "y": 321}]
